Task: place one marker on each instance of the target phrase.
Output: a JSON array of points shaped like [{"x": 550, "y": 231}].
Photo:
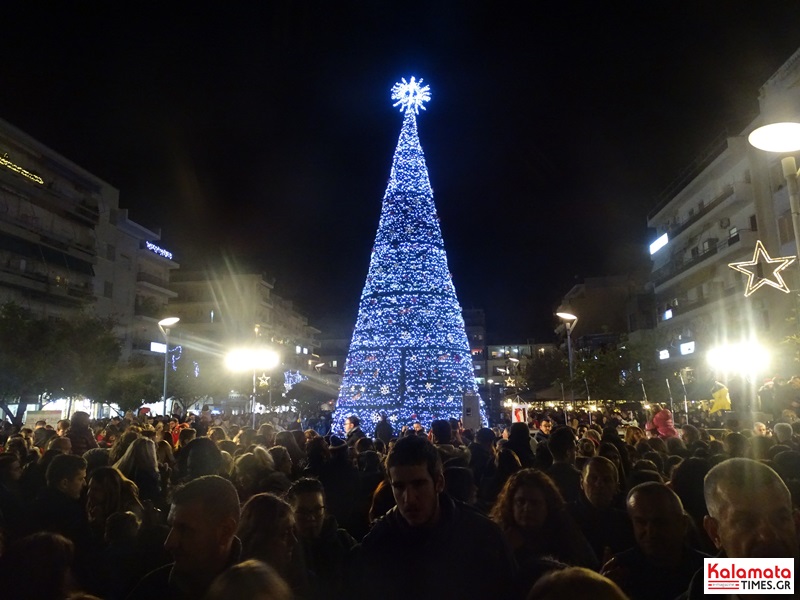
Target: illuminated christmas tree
[{"x": 409, "y": 356}]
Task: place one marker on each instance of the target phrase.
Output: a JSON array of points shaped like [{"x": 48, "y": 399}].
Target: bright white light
[
  {"x": 156, "y": 347},
  {"x": 663, "y": 354},
  {"x": 777, "y": 137},
  {"x": 687, "y": 348},
  {"x": 668, "y": 314},
  {"x": 410, "y": 95},
  {"x": 745, "y": 357},
  {"x": 251, "y": 359},
  {"x": 659, "y": 244}
]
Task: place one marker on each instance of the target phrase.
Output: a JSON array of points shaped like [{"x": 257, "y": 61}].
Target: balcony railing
[{"x": 153, "y": 280}]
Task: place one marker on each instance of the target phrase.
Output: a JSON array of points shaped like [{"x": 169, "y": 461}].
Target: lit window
[
  {"x": 663, "y": 354},
  {"x": 667, "y": 314},
  {"x": 687, "y": 348},
  {"x": 659, "y": 243},
  {"x": 297, "y": 349}
]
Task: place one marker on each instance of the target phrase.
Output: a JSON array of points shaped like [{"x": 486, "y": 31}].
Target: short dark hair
[
  {"x": 442, "y": 431},
  {"x": 415, "y": 450},
  {"x": 561, "y": 441},
  {"x": 305, "y": 485},
  {"x": 217, "y": 494},
  {"x": 354, "y": 420},
  {"x": 64, "y": 466}
]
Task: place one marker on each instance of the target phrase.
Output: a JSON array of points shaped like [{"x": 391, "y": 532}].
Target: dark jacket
[
  {"x": 464, "y": 553},
  {"x": 567, "y": 479},
  {"x": 641, "y": 579},
  {"x": 354, "y": 435},
  {"x": 603, "y": 528},
  {"x": 164, "y": 582},
  {"x": 82, "y": 440},
  {"x": 327, "y": 560}
]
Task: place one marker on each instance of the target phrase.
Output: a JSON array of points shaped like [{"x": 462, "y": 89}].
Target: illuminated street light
[
  {"x": 746, "y": 358},
  {"x": 165, "y": 325},
  {"x": 570, "y": 319},
  {"x": 243, "y": 360},
  {"x": 783, "y": 137}
]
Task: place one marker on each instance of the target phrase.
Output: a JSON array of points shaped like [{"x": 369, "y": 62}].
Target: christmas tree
[{"x": 409, "y": 356}]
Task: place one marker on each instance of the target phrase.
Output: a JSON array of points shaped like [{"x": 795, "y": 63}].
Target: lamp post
[
  {"x": 569, "y": 323},
  {"x": 781, "y": 138},
  {"x": 244, "y": 360},
  {"x": 165, "y": 325}
]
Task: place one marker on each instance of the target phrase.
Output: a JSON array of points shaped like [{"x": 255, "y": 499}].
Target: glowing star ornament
[
  {"x": 760, "y": 257},
  {"x": 410, "y": 95},
  {"x": 509, "y": 382}
]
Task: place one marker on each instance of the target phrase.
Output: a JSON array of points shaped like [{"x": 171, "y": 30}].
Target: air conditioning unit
[{"x": 724, "y": 223}]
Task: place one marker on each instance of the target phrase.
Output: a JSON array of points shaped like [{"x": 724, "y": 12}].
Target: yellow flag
[{"x": 722, "y": 400}]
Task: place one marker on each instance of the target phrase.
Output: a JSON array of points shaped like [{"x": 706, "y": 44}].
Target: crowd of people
[{"x": 215, "y": 507}]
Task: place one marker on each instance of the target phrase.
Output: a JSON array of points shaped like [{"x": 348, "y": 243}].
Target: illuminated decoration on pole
[
  {"x": 409, "y": 356},
  {"x": 750, "y": 268},
  {"x": 410, "y": 96},
  {"x": 17, "y": 169}
]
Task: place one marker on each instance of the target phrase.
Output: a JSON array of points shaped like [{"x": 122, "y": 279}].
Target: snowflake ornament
[{"x": 410, "y": 95}]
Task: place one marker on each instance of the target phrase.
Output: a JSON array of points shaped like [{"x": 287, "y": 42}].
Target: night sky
[{"x": 263, "y": 132}]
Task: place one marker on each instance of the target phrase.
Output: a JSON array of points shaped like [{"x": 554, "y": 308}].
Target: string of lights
[{"x": 409, "y": 355}]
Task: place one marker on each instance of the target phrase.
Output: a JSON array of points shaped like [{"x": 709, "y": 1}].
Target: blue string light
[{"x": 409, "y": 356}]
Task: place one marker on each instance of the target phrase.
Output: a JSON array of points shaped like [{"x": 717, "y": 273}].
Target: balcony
[
  {"x": 678, "y": 268},
  {"x": 686, "y": 307},
  {"x": 158, "y": 284}
]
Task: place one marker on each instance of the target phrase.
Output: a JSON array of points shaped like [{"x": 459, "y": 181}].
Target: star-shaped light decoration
[
  {"x": 410, "y": 95},
  {"x": 263, "y": 380},
  {"x": 750, "y": 268},
  {"x": 509, "y": 382}
]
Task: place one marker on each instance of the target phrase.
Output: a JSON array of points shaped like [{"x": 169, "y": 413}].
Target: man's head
[
  {"x": 783, "y": 432},
  {"x": 545, "y": 426},
  {"x": 749, "y": 511},
  {"x": 307, "y": 497},
  {"x": 40, "y": 424},
  {"x": 600, "y": 481},
  {"x": 80, "y": 420},
  {"x": 417, "y": 479},
  {"x": 562, "y": 445},
  {"x": 67, "y": 474},
  {"x": 351, "y": 423},
  {"x": 759, "y": 429},
  {"x": 659, "y": 521},
  {"x": 203, "y": 519},
  {"x": 441, "y": 431},
  {"x": 61, "y": 444}
]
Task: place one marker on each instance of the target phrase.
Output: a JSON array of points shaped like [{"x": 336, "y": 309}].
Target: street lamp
[
  {"x": 783, "y": 137},
  {"x": 243, "y": 360},
  {"x": 165, "y": 325},
  {"x": 569, "y": 323}
]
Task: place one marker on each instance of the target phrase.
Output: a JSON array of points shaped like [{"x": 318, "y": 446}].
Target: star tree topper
[
  {"x": 750, "y": 268},
  {"x": 410, "y": 95}
]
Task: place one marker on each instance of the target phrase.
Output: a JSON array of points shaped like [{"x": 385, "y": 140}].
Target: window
[
  {"x": 334, "y": 363},
  {"x": 753, "y": 223}
]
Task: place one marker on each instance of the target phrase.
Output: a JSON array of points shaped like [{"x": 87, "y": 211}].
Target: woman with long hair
[
  {"x": 109, "y": 492},
  {"x": 140, "y": 465},
  {"x": 532, "y": 513}
]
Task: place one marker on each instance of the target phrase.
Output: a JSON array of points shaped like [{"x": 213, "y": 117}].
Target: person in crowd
[
  {"x": 482, "y": 454},
  {"x": 110, "y": 492},
  {"x": 633, "y": 435},
  {"x": 413, "y": 539},
  {"x": 760, "y": 430},
  {"x": 12, "y": 507},
  {"x": 575, "y": 582},
  {"x": 251, "y": 580},
  {"x": 661, "y": 564},
  {"x": 352, "y": 429},
  {"x": 460, "y": 485},
  {"x": 543, "y": 433},
  {"x": 326, "y": 547},
  {"x": 533, "y": 517},
  {"x": 519, "y": 440},
  {"x": 38, "y": 567},
  {"x": 203, "y": 519},
  {"x": 563, "y": 472},
  {"x": 80, "y": 434},
  {"x": 288, "y": 440},
  {"x": 282, "y": 461},
  {"x": 203, "y": 457},
  {"x": 784, "y": 435},
  {"x": 607, "y": 528},
  {"x": 750, "y": 515},
  {"x": 267, "y": 532},
  {"x": 140, "y": 465},
  {"x": 662, "y": 422},
  {"x": 62, "y": 427},
  {"x": 441, "y": 434},
  {"x": 341, "y": 481},
  {"x": 384, "y": 430},
  {"x": 58, "y": 507},
  {"x": 506, "y": 464},
  {"x": 121, "y": 445}
]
